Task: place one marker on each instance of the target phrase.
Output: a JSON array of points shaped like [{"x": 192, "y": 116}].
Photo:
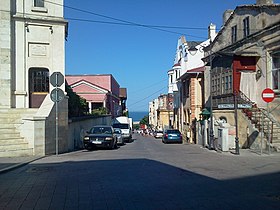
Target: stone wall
[
  {"x": 78, "y": 126},
  {"x": 5, "y": 55}
]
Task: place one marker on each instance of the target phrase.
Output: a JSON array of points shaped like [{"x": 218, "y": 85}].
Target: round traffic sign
[
  {"x": 268, "y": 95},
  {"x": 57, "y": 79},
  {"x": 57, "y": 95}
]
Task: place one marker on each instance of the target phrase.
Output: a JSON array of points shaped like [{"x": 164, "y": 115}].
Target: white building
[
  {"x": 153, "y": 107},
  {"x": 184, "y": 61},
  {"x": 32, "y": 47}
]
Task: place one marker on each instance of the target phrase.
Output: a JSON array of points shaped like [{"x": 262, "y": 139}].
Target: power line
[
  {"x": 123, "y": 21},
  {"x": 154, "y": 84},
  {"x": 146, "y": 97}
]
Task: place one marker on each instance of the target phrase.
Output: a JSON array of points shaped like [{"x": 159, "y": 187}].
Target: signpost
[
  {"x": 268, "y": 96},
  {"x": 56, "y": 80}
]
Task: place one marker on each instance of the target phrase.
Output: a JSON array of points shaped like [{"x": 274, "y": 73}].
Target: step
[
  {"x": 7, "y": 129},
  {"x": 9, "y": 135},
  {"x": 17, "y": 146},
  {"x": 5, "y": 120},
  {"x": 11, "y": 140},
  {"x": 7, "y": 125},
  {"x": 16, "y": 153}
]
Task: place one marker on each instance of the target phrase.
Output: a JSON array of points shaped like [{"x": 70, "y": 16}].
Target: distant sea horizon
[{"x": 138, "y": 115}]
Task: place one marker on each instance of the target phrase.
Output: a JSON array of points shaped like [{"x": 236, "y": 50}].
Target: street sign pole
[
  {"x": 56, "y": 80},
  {"x": 56, "y": 123},
  {"x": 268, "y": 96}
]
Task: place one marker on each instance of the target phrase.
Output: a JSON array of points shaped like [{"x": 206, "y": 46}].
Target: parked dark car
[
  {"x": 172, "y": 136},
  {"x": 100, "y": 136}
]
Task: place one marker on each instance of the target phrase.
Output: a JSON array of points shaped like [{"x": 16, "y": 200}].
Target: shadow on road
[{"x": 132, "y": 184}]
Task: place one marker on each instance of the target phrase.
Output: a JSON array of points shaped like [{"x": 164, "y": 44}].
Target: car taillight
[{"x": 166, "y": 136}]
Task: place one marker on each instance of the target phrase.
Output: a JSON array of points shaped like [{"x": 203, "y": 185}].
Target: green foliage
[
  {"x": 99, "y": 111},
  {"x": 77, "y": 106},
  {"x": 136, "y": 126},
  {"x": 126, "y": 113},
  {"x": 145, "y": 120}
]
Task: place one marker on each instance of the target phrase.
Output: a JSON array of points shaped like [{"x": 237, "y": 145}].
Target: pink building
[{"x": 98, "y": 90}]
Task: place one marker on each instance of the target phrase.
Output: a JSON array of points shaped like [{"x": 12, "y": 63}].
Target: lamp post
[
  {"x": 236, "y": 123},
  {"x": 211, "y": 146}
]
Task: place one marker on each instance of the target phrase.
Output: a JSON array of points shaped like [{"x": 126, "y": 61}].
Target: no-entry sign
[{"x": 268, "y": 95}]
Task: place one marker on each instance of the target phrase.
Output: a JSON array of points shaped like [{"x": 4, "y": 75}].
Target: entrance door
[{"x": 38, "y": 86}]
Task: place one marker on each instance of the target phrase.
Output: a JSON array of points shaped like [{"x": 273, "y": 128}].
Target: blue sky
[{"x": 137, "y": 57}]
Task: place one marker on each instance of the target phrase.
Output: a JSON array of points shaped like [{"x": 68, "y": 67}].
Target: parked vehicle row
[
  {"x": 103, "y": 136},
  {"x": 169, "y": 135}
]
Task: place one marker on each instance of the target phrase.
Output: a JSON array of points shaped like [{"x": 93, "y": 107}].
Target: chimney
[
  {"x": 264, "y": 2},
  {"x": 226, "y": 15},
  {"x": 211, "y": 31}
]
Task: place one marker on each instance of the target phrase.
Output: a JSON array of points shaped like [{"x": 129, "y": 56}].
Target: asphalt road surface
[{"x": 145, "y": 174}]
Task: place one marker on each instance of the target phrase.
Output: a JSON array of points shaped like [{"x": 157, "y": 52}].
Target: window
[
  {"x": 276, "y": 71},
  {"x": 223, "y": 85},
  {"x": 226, "y": 83},
  {"x": 39, "y": 80},
  {"x": 38, "y": 3},
  {"x": 246, "y": 28},
  {"x": 229, "y": 82},
  {"x": 234, "y": 34}
]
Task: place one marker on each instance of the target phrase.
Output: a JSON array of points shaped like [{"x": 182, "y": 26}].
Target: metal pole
[
  {"x": 236, "y": 124},
  {"x": 56, "y": 125},
  {"x": 211, "y": 146},
  {"x": 262, "y": 133},
  {"x": 56, "y": 117},
  {"x": 268, "y": 130}
]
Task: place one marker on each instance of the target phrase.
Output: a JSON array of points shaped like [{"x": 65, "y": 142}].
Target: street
[{"x": 145, "y": 174}]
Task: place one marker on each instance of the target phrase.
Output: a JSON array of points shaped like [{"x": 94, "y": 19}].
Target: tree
[
  {"x": 77, "y": 106},
  {"x": 145, "y": 120}
]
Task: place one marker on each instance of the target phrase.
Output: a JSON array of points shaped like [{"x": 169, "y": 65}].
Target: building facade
[
  {"x": 32, "y": 47},
  {"x": 98, "y": 91},
  {"x": 245, "y": 65}
]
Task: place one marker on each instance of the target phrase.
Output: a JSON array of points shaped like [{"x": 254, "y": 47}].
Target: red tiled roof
[
  {"x": 197, "y": 70},
  {"x": 177, "y": 64}
]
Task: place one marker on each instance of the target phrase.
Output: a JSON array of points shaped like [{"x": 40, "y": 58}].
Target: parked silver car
[{"x": 118, "y": 133}]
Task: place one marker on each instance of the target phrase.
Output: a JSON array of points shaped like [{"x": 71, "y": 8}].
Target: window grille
[{"x": 39, "y": 80}]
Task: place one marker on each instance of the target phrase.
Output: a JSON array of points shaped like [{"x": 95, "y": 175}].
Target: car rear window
[
  {"x": 101, "y": 130},
  {"x": 173, "y": 131}
]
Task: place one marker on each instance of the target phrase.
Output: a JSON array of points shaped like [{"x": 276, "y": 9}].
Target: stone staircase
[
  {"x": 264, "y": 122},
  {"x": 12, "y": 144}
]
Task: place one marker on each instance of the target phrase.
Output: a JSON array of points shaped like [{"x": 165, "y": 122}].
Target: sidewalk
[{"x": 10, "y": 163}]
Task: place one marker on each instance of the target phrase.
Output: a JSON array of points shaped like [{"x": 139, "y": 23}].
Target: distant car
[
  {"x": 118, "y": 133},
  {"x": 172, "y": 136},
  {"x": 100, "y": 136},
  {"x": 158, "y": 134}
]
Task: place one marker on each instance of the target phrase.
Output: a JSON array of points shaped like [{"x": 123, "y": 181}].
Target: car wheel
[{"x": 115, "y": 145}]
